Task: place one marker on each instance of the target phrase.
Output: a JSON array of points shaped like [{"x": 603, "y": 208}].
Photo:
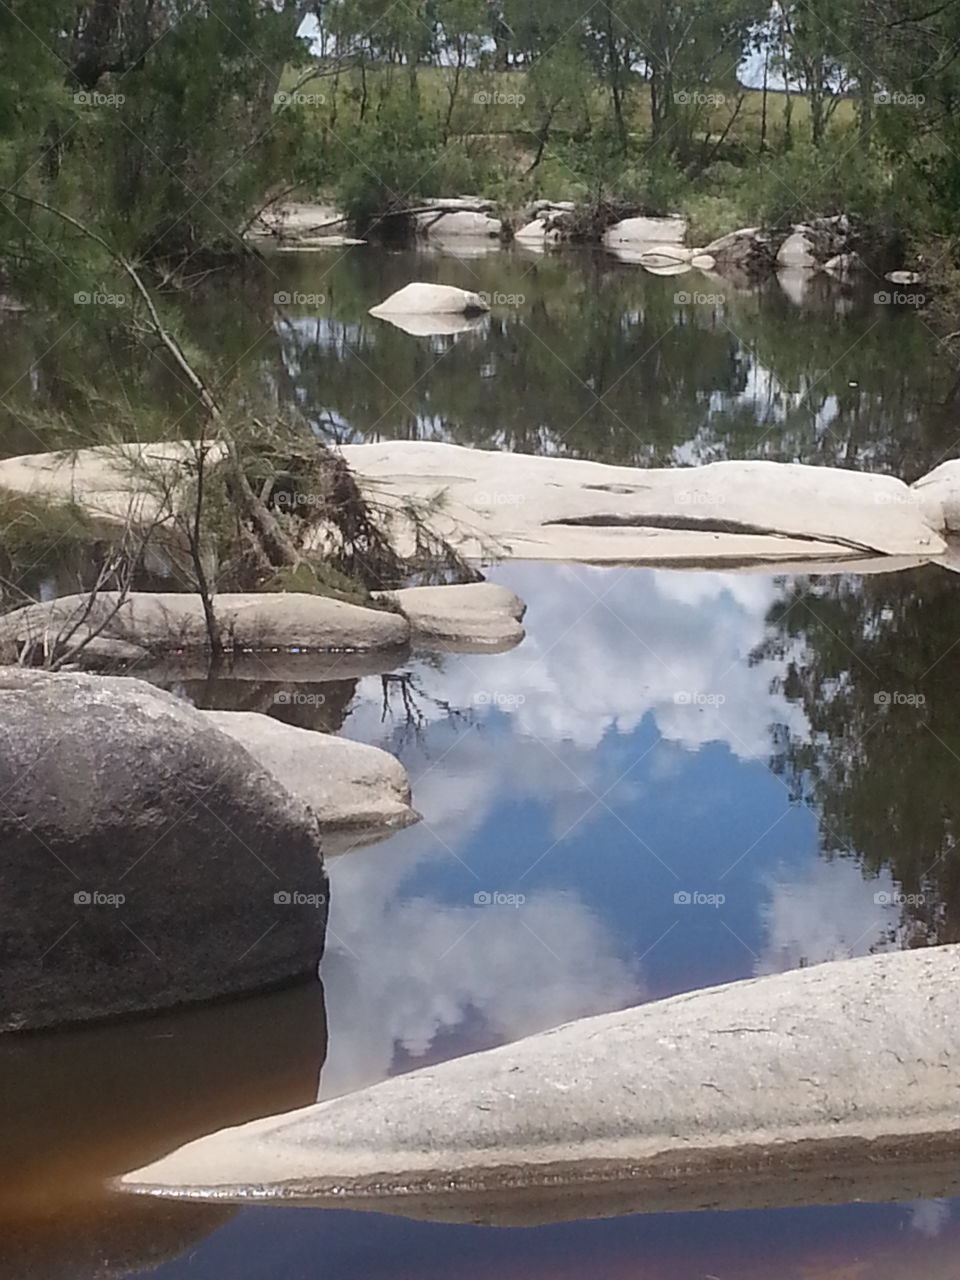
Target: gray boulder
[{"x": 146, "y": 860}]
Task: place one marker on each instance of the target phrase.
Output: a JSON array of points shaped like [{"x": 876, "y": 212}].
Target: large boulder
[
  {"x": 419, "y": 299},
  {"x": 162, "y": 621},
  {"x": 346, "y": 784},
  {"x": 826, "y": 1084},
  {"x": 146, "y": 860}
]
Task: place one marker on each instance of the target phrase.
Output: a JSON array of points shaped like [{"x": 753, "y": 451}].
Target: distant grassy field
[{"x": 504, "y": 102}]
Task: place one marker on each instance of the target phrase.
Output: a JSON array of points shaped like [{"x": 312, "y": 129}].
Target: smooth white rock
[
  {"x": 346, "y": 784},
  {"x": 430, "y": 299},
  {"x": 837, "y": 1081}
]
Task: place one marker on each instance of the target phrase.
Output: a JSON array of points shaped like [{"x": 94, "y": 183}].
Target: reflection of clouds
[
  {"x": 398, "y": 971},
  {"x": 828, "y": 912},
  {"x": 606, "y": 647},
  {"x": 929, "y": 1217}
]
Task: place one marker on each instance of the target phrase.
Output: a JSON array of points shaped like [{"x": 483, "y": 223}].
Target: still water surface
[{"x": 677, "y": 780}]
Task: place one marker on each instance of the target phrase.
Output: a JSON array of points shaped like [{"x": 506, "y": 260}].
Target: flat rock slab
[
  {"x": 525, "y": 507},
  {"x": 108, "y": 481},
  {"x": 163, "y": 621},
  {"x": 786, "y": 1089},
  {"x": 346, "y": 784},
  {"x": 472, "y": 617}
]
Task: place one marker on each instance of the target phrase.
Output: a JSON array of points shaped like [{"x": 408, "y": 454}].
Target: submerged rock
[
  {"x": 836, "y": 1082},
  {"x": 346, "y": 784},
  {"x": 162, "y": 621},
  {"x": 430, "y": 299},
  {"x": 141, "y": 854}
]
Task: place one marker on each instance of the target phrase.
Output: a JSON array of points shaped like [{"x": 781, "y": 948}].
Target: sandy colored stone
[
  {"x": 542, "y": 508},
  {"x": 939, "y": 492},
  {"x": 473, "y": 617},
  {"x": 346, "y": 784},
  {"x": 419, "y": 299},
  {"x": 773, "y": 1090},
  {"x": 164, "y": 621}
]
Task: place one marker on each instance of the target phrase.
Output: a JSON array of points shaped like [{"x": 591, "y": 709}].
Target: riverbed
[{"x": 678, "y": 779}]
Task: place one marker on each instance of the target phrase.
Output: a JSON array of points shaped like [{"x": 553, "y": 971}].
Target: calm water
[
  {"x": 582, "y": 355},
  {"x": 785, "y": 750}
]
